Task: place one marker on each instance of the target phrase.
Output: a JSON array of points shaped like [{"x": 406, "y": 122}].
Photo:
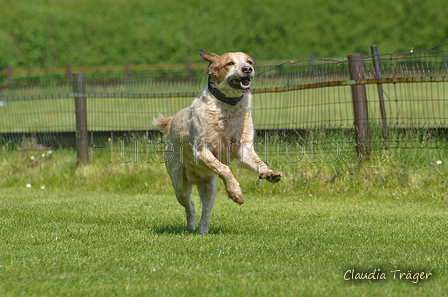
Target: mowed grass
[
  {"x": 115, "y": 229},
  {"x": 121, "y": 244},
  {"x": 98, "y": 244}
]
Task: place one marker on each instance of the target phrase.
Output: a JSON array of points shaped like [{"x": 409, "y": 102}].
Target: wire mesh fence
[{"x": 300, "y": 102}]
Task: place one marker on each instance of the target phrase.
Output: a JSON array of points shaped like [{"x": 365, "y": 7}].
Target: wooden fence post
[
  {"x": 68, "y": 72},
  {"x": 377, "y": 67},
  {"x": 10, "y": 74},
  {"x": 128, "y": 70},
  {"x": 359, "y": 94},
  {"x": 82, "y": 136},
  {"x": 188, "y": 72}
]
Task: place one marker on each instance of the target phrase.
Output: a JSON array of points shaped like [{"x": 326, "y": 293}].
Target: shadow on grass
[
  {"x": 182, "y": 229},
  {"x": 173, "y": 229}
]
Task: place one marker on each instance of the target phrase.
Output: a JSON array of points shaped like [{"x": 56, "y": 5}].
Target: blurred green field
[{"x": 52, "y": 33}]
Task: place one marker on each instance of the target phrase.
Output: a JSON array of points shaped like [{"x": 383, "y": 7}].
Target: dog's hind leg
[
  {"x": 207, "y": 191},
  {"x": 182, "y": 188},
  {"x": 184, "y": 197}
]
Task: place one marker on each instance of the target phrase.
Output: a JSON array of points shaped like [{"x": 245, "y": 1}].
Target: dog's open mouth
[{"x": 241, "y": 83}]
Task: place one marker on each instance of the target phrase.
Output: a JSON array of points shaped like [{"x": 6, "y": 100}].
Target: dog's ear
[{"x": 209, "y": 57}]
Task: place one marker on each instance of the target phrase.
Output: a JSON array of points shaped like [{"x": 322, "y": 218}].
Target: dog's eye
[
  {"x": 230, "y": 64},
  {"x": 249, "y": 62}
]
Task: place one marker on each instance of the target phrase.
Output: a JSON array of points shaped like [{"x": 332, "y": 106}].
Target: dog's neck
[{"x": 220, "y": 96}]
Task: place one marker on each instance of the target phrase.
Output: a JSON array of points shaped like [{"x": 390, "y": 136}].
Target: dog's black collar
[{"x": 221, "y": 97}]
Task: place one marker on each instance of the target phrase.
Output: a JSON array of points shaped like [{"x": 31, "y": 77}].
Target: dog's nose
[{"x": 247, "y": 69}]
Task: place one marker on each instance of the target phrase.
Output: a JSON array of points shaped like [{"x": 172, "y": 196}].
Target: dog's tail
[{"x": 163, "y": 124}]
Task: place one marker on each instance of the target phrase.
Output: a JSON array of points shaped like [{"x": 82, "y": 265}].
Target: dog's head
[{"x": 231, "y": 73}]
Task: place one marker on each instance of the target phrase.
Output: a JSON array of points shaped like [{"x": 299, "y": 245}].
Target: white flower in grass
[
  {"x": 439, "y": 162},
  {"x": 28, "y": 185},
  {"x": 33, "y": 158},
  {"x": 43, "y": 155},
  {"x": 42, "y": 187},
  {"x": 49, "y": 153}
]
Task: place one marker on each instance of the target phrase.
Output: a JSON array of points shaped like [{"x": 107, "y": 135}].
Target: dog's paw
[
  {"x": 271, "y": 176},
  {"x": 236, "y": 196}
]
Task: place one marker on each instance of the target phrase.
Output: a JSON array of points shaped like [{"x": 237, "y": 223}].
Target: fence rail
[{"x": 381, "y": 98}]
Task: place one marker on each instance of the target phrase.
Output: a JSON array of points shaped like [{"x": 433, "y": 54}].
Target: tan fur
[
  {"x": 203, "y": 138},
  {"x": 163, "y": 124}
]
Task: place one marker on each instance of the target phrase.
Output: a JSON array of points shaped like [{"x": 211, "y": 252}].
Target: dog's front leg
[
  {"x": 249, "y": 159},
  {"x": 205, "y": 157}
]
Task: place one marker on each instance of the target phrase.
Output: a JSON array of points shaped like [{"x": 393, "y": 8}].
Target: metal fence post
[
  {"x": 360, "y": 108},
  {"x": 82, "y": 136}
]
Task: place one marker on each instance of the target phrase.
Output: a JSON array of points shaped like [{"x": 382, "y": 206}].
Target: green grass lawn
[
  {"x": 116, "y": 244},
  {"x": 115, "y": 229}
]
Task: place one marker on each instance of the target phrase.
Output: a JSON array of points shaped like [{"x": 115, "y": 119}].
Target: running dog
[{"x": 216, "y": 128}]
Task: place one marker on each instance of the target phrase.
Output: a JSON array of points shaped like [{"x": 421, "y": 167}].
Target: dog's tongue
[{"x": 244, "y": 82}]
